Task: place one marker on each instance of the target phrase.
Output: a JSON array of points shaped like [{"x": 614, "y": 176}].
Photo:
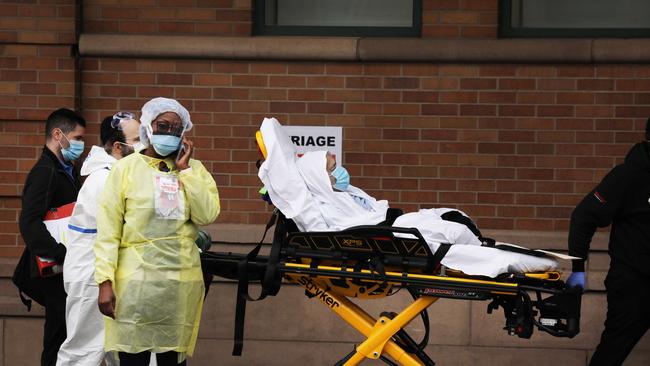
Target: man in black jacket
[
  {"x": 51, "y": 183},
  {"x": 622, "y": 199}
]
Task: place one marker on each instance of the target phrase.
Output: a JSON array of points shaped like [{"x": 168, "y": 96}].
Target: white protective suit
[
  {"x": 301, "y": 190},
  {"x": 84, "y": 323}
]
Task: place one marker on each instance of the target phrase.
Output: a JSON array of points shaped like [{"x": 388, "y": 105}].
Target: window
[
  {"x": 574, "y": 18},
  {"x": 381, "y": 18}
]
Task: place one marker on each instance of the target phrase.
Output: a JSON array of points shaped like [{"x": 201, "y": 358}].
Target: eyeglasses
[
  {"x": 167, "y": 128},
  {"x": 121, "y": 116}
]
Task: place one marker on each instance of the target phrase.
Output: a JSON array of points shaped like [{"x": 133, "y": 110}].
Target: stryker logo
[
  {"x": 352, "y": 243},
  {"x": 322, "y": 295}
]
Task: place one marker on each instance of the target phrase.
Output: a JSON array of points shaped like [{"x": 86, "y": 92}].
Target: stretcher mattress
[{"x": 291, "y": 196}]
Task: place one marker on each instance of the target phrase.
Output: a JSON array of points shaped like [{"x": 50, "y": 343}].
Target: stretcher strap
[
  {"x": 437, "y": 256},
  {"x": 270, "y": 283}
]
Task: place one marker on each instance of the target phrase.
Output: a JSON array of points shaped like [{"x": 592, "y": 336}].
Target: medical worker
[
  {"x": 84, "y": 345},
  {"x": 147, "y": 264},
  {"x": 51, "y": 183},
  {"x": 622, "y": 200}
]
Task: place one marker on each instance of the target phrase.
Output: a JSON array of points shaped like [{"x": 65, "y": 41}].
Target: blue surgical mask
[
  {"x": 73, "y": 151},
  {"x": 342, "y": 178},
  {"x": 165, "y": 144}
]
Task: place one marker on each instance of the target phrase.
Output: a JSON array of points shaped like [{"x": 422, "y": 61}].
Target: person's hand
[
  {"x": 183, "y": 158},
  {"x": 577, "y": 279},
  {"x": 106, "y": 299}
]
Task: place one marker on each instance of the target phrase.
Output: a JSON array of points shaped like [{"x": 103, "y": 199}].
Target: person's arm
[
  {"x": 201, "y": 193},
  {"x": 110, "y": 219},
  {"x": 36, "y": 203},
  {"x": 597, "y": 209}
]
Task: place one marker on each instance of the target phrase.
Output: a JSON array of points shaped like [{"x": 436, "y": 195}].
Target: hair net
[{"x": 156, "y": 107}]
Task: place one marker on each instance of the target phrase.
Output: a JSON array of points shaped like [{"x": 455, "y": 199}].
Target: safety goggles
[{"x": 121, "y": 116}]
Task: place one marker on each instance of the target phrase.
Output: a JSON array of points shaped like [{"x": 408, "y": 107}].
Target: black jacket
[
  {"x": 47, "y": 186},
  {"x": 622, "y": 199}
]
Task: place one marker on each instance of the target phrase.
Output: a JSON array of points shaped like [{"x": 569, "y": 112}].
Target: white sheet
[{"x": 314, "y": 207}]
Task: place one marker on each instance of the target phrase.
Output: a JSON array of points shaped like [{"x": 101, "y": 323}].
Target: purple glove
[{"x": 577, "y": 279}]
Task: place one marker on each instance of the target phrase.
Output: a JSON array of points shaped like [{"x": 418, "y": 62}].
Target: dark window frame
[
  {"x": 261, "y": 29},
  {"x": 507, "y": 31}
]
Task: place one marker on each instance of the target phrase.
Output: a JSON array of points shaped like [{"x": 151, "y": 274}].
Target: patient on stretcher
[{"x": 306, "y": 190}]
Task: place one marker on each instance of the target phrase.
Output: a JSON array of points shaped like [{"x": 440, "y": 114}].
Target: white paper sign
[{"x": 314, "y": 138}]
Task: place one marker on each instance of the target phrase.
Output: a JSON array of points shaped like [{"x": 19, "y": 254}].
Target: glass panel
[
  {"x": 363, "y": 13},
  {"x": 577, "y": 14}
]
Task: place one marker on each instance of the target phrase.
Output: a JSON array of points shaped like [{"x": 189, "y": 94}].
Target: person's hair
[
  {"x": 64, "y": 119},
  {"x": 108, "y": 134},
  {"x": 647, "y": 130}
]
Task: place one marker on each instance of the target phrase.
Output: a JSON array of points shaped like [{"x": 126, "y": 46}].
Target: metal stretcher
[{"x": 370, "y": 262}]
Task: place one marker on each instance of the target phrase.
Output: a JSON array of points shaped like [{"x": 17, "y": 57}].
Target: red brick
[
  {"x": 253, "y": 80},
  {"x": 496, "y": 148},
  {"x": 478, "y": 110},
  {"x": 438, "y": 134},
  {"x": 344, "y": 95},
  {"x": 306, "y": 94},
  {"x": 556, "y": 84},
  {"x": 595, "y": 84},
  {"x": 535, "y": 149},
  {"x": 419, "y": 69},
  {"x": 336, "y": 108},
  {"x": 440, "y": 109},
  {"x": 260, "y": 94},
  {"x": 362, "y": 108},
  {"x": 516, "y": 110},
  {"x": 325, "y": 82},
  {"x": 288, "y": 107},
  {"x": 154, "y": 91},
  {"x": 306, "y": 68},
  {"x": 555, "y": 111},
  {"x": 401, "y": 83},
  {"x": 575, "y": 71},
  {"x": 344, "y": 69},
  {"x": 400, "y": 109},
  {"x": 458, "y": 172},
  {"x": 457, "y": 97},
  {"x": 497, "y": 97},
  {"x": 516, "y": 84},
  {"x": 595, "y": 111},
  {"x": 515, "y": 161},
  {"x": 516, "y": 136},
  {"x": 474, "y": 84},
  {"x": 400, "y": 134},
  {"x": 429, "y": 31},
  {"x": 515, "y": 186},
  {"x": 535, "y": 98},
  {"x": 480, "y": 31}
]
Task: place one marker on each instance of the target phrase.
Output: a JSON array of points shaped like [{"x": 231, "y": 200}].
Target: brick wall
[
  {"x": 36, "y": 76},
  {"x": 515, "y": 146},
  {"x": 197, "y": 17},
  {"x": 459, "y": 18}
]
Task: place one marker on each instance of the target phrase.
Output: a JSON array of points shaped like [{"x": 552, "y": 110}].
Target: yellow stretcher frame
[{"x": 378, "y": 332}]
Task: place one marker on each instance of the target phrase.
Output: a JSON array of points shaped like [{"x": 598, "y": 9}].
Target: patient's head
[{"x": 339, "y": 176}]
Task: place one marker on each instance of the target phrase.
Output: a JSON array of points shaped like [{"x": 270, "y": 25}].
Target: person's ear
[{"x": 116, "y": 147}]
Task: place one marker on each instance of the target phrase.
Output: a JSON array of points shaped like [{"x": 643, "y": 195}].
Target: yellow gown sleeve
[
  {"x": 201, "y": 193},
  {"x": 110, "y": 219}
]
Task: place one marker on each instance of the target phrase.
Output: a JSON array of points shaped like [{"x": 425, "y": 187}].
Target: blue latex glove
[{"x": 577, "y": 279}]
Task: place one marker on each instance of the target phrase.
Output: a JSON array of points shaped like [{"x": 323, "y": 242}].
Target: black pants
[
  {"x": 628, "y": 317},
  {"x": 142, "y": 359},
  {"x": 54, "y": 332}
]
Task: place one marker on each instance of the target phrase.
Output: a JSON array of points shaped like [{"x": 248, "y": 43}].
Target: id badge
[{"x": 168, "y": 199}]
